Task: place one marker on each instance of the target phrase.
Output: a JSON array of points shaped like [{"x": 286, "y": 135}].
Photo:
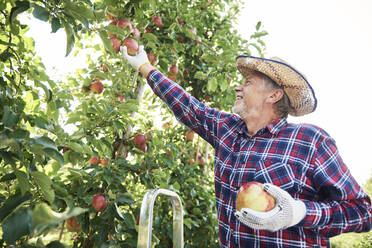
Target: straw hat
[{"x": 294, "y": 83}]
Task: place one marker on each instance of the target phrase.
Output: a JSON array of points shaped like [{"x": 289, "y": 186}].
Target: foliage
[{"x": 44, "y": 170}]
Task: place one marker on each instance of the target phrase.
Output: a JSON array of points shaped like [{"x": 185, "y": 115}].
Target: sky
[
  {"x": 327, "y": 40},
  {"x": 331, "y": 43}
]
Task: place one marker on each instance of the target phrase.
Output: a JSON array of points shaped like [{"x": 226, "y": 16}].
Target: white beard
[{"x": 240, "y": 109}]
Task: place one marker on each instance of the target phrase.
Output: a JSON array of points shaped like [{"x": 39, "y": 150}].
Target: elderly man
[{"x": 298, "y": 164}]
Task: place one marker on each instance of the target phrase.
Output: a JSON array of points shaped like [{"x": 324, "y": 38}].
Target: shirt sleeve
[
  {"x": 186, "y": 108},
  {"x": 341, "y": 204}
]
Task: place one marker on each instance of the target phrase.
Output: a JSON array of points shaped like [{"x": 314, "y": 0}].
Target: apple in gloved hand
[{"x": 252, "y": 195}]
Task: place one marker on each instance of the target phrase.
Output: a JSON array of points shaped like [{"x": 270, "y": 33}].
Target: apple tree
[{"x": 78, "y": 154}]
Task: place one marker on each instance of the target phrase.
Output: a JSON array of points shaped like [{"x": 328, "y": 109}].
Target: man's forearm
[{"x": 145, "y": 69}]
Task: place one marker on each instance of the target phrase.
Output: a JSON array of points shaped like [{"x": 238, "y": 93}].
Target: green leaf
[
  {"x": 54, "y": 154},
  {"x": 212, "y": 84},
  {"x": 10, "y": 118},
  {"x": 70, "y": 37},
  {"x": 44, "y": 124},
  {"x": 12, "y": 203},
  {"x": 45, "y": 142},
  {"x": 258, "y": 25},
  {"x": 20, "y": 7},
  {"x": 17, "y": 225},
  {"x": 44, "y": 182},
  {"x": 55, "y": 24},
  {"x": 106, "y": 42},
  {"x": 23, "y": 181},
  {"x": 40, "y": 13}
]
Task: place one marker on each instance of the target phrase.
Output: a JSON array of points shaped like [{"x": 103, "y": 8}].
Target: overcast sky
[{"x": 331, "y": 43}]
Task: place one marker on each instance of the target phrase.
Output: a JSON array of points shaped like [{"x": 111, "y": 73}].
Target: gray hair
[{"x": 282, "y": 106}]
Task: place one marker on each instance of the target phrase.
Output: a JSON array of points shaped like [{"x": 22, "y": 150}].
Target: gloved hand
[
  {"x": 286, "y": 213},
  {"x": 135, "y": 61}
]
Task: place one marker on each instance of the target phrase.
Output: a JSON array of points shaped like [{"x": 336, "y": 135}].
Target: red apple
[
  {"x": 201, "y": 160},
  {"x": 104, "y": 68},
  {"x": 120, "y": 98},
  {"x": 115, "y": 43},
  {"x": 190, "y": 135},
  {"x": 180, "y": 21},
  {"x": 73, "y": 225},
  {"x": 191, "y": 161},
  {"x": 172, "y": 77},
  {"x": 132, "y": 46},
  {"x": 139, "y": 139},
  {"x": 136, "y": 33},
  {"x": 94, "y": 160},
  {"x": 99, "y": 202},
  {"x": 157, "y": 20},
  {"x": 173, "y": 70},
  {"x": 252, "y": 195},
  {"x": 96, "y": 87},
  {"x": 148, "y": 30},
  {"x": 152, "y": 58},
  {"x": 123, "y": 23},
  {"x": 103, "y": 162},
  {"x": 143, "y": 147}
]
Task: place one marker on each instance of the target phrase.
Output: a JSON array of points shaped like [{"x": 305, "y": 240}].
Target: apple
[
  {"x": 104, "y": 68},
  {"x": 190, "y": 135},
  {"x": 148, "y": 30},
  {"x": 157, "y": 20},
  {"x": 103, "y": 162},
  {"x": 113, "y": 23},
  {"x": 152, "y": 58},
  {"x": 99, "y": 202},
  {"x": 173, "y": 70},
  {"x": 191, "y": 161},
  {"x": 252, "y": 195},
  {"x": 120, "y": 98},
  {"x": 96, "y": 87},
  {"x": 139, "y": 139},
  {"x": 136, "y": 33},
  {"x": 123, "y": 23},
  {"x": 73, "y": 225},
  {"x": 143, "y": 147},
  {"x": 132, "y": 46},
  {"x": 115, "y": 43},
  {"x": 201, "y": 160},
  {"x": 180, "y": 21},
  {"x": 94, "y": 160},
  {"x": 172, "y": 77}
]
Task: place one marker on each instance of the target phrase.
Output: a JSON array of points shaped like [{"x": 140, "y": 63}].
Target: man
[{"x": 299, "y": 165}]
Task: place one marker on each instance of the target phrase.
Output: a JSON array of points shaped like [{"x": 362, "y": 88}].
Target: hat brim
[{"x": 300, "y": 93}]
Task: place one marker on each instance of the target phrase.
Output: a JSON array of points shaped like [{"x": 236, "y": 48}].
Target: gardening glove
[
  {"x": 286, "y": 213},
  {"x": 136, "y": 61}
]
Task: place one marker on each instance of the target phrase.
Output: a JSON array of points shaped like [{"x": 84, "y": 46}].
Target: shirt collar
[{"x": 275, "y": 126}]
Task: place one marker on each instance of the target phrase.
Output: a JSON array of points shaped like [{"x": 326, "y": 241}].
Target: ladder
[{"x": 146, "y": 217}]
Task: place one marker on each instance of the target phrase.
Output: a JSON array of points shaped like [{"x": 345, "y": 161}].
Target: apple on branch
[
  {"x": 190, "y": 135},
  {"x": 152, "y": 58},
  {"x": 157, "y": 20},
  {"x": 73, "y": 225},
  {"x": 96, "y": 87},
  {"x": 115, "y": 43},
  {"x": 252, "y": 195},
  {"x": 94, "y": 160},
  {"x": 99, "y": 202},
  {"x": 123, "y": 23}
]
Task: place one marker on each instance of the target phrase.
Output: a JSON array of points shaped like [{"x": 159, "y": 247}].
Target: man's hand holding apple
[{"x": 287, "y": 211}]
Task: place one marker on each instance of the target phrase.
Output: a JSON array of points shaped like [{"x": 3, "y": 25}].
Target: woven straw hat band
[{"x": 295, "y": 85}]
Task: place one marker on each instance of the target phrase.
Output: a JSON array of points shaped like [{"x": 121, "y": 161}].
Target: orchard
[{"x": 84, "y": 188}]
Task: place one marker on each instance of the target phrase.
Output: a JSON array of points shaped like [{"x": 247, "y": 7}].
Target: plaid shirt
[{"x": 300, "y": 158}]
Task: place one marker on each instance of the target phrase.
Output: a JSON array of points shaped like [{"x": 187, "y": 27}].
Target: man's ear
[{"x": 275, "y": 95}]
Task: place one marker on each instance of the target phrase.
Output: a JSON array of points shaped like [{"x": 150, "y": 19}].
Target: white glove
[
  {"x": 286, "y": 213},
  {"x": 135, "y": 61}
]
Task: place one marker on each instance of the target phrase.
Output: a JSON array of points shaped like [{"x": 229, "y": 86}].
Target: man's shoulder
[{"x": 307, "y": 131}]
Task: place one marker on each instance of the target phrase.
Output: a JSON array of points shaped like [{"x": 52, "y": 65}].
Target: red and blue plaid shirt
[{"x": 300, "y": 158}]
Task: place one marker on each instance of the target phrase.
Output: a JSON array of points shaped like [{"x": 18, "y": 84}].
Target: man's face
[{"x": 250, "y": 96}]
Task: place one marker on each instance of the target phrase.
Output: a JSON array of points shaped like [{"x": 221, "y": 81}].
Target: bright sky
[{"x": 330, "y": 41}]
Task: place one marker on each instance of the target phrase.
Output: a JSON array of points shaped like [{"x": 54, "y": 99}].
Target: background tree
[{"x": 83, "y": 187}]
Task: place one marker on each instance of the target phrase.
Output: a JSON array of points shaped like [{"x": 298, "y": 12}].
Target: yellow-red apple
[
  {"x": 123, "y": 23},
  {"x": 73, "y": 225},
  {"x": 94, "y": 160},
  {"x": 115, "y": 43},
  {"x": 99, "y": 202},
  {"x": 132, "y": 46},
  {"x": 252, "y": 195},
  {"x": 96, "y": 87}
]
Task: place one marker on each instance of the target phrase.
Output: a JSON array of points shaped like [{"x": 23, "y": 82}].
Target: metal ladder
[{"x": 146, "y": 217}]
